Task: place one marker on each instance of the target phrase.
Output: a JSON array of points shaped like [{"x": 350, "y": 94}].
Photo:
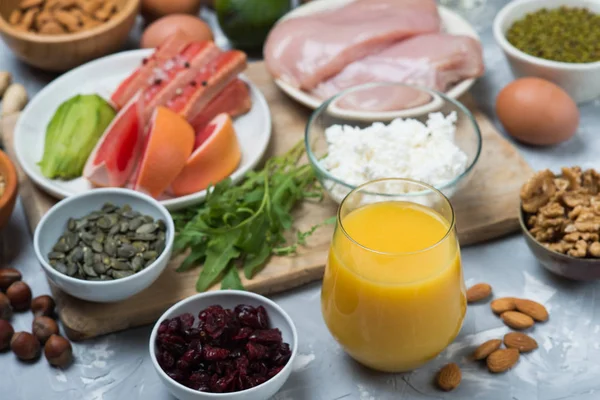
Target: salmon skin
[
  {"x": 234, "y": 100},
  {"x": 139, "y": 79},
  {"x": 175, "y": 73},
  {"x": 191, "y": 100}
]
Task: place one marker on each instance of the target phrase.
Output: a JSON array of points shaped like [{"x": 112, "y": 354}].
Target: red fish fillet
[
  {"x": 175, "y": 73},
  {"x": 234, "y": 100},
  {"x": 141, "y": 76},
  {"x": 435, "y": 61},
  {"x": 207, "y": 84},
  {"x": 305, "y": 51}
]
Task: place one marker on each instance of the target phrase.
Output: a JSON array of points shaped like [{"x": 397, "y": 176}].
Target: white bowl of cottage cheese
[{"x": 417, "y": 134}]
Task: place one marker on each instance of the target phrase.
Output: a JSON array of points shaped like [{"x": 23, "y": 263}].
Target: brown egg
[
  {"x": 537, "y": 112},
  {"x": 162, "y": 28},
  {"x": 153, "y": 9}
]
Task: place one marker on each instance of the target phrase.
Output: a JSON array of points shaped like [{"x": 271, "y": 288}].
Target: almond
[
  {"x": 478, "y": 292},
  {"x": 532, "y": 308},
  {"x": 502, "y": 360},
  {"x": 449, "y": 377},
  {"x": 503, "y": 304},
  {"x": 520, "y": 341},
  {"x": 487, "y": 348},
  {"x": 25, "y": 4},
  {"x": 68, "y": 20},
  {"x": 52, "y": 28},
  {"x": 517, "y": 320},
  {"x": 15, "y": 17}
]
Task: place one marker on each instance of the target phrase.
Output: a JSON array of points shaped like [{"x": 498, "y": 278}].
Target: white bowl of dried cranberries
[{"x": 226, "y": 344}]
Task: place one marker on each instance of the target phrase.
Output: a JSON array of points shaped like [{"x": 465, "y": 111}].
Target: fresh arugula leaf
[
  {"x": 219, "y": 254},
  {"x": 232, "y": 280},
  {"x": 255, "y": 262}
]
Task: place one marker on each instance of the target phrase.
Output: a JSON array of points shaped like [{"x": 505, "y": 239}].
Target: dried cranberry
[
  {"x": 195, "y": 344},
  {"x": 263, "y": 317},
  {"x": 213, "y": 320},
  {"x": 192, "y": 333},
  {"x": 214, "y": 353},
  {"x": 267, "y": 336},
  {"x": 174, "y": 326},
  {"x": 224, "y": 384},
  {"x": 248, "y": 316},
  {"x": 162, "y": 328},
  {"x": 190, "y": 359},
  {"x": 255, "y": 381},
  {"x": 187, "y": 321},
  {"x": 281, "y": 354},
  {"x": 224, "y": 367},
  {"x": 243, "y": 333},
  {"x": 172, "y": 343},
  {"x": 199, "y": 381},
  {"x": 258, "y": 368},
  {"x": 165, "y": 360},
  {"x": 256, "y": 351},
  {"x": 274, "y": 371},
  {"x": 178, "y": 376},
  {"x": 241, "y": 364}
]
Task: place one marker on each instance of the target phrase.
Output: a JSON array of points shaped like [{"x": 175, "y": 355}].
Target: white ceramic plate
[
  {"x": 451, "y": 23},
  {"x": 102, "y": 76}
]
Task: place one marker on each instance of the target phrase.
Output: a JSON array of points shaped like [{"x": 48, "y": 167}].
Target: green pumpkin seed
[
  {"x": 144, "y": 237},
  {"x": 87, "y": 237},
  {"x": 150, "y": 255},
  {"x": 149, "y": 262},
  {"x": 162, "y": 226},
  {"x": 107, "y": 260},
  {"x": 72, "y": 269},
  {"x": 123, "y": 227},
  {"x": 130, "y": 214},
  {"x": 146, "y": 228},
  {"x": 88, "y": 256},
  {"x": 110, "y": 247},
  {"x": 109, "y": 208},
  {"x": 114, "y": 230},
  {"x": 100, "y": 268},
  {"x": 97, "y": 247},
  {"x": 61, "y": 246},
  {"x": 120, "y": 265},
  {"x": 121, "y": 274},
  {"x": 71, "y": 240},
  {"x": 82, "y": 224},
  {"x": 126, "y": 251},
  {"x": 56, "y": 255},
  {"x": 89, "y": 271},
  {"x": 137, "y": 263},
  {"x": 147, "y": 219},
  {"x": 159, "y": 245},
  {"x": 60, "y": 267},
  {"x": 139, "y": 247},
  {"x": 135, "y": 223}
]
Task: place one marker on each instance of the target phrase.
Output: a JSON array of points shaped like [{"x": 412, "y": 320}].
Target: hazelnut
[
  {"x": 8, "y": 276},
  {"x": 19, "y": 294},
  {"x": 6, "y": 333},
  {"x": 58, "y": 351},
  {"x": 44, "y": 327},
  {"x": 25, "y": 346},
  {"x": 43, "y": 306},
  {"x": 6, "y": 309}
]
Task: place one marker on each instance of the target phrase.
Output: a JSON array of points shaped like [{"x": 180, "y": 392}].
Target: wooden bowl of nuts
[
  {"x": 57, "y": 35},
  {"x": 560, "y": 218},
  {"x": 8, "y": 188}
]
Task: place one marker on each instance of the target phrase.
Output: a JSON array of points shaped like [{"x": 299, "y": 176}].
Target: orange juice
[{"x": 393, "y": 293}]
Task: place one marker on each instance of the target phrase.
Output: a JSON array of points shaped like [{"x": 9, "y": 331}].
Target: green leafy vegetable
[{"x": 241, "y": 226}]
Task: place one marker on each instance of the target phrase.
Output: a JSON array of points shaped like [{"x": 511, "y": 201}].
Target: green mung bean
[{"x": 564, "y": 34}]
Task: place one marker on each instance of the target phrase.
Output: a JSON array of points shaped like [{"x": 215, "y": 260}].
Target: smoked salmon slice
[
  {"x": 191, "y": 100},
  {"x": 234, "y": 100},
  {"x": 305, "y": 51},
  {"x": 141, "y": 77}
]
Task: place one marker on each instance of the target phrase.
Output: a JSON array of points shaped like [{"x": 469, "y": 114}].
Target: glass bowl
[{"x": 361, "y": 106}]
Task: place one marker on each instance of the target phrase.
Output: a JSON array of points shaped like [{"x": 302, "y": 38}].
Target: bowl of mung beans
[
  {"x": 556, "y": 40},
  {"x": 8, "y": 188}
]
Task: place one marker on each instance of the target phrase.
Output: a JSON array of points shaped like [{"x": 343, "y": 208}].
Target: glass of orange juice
[{"x": 393, "y": 292}]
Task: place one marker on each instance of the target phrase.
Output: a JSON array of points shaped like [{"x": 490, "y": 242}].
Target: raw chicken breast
[
  {"x": 434, "y": 61},
  {"x": 305, "y": 51}
]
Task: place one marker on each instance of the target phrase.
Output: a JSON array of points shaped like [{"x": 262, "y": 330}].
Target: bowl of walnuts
[
  {"x": 57, "y": 35},
  {"x": 560, "y": 218}
]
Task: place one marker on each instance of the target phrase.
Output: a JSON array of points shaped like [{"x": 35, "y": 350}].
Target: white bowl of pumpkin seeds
[{"x": 105, "y": 245}]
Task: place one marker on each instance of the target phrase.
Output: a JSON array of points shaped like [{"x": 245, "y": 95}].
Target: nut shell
[
  {"x": 502, "y": 360},
  {"x": 487, "y": 348},
  {"x": 517, "y": 320},
  {"x": 25, "y": 346},
  {"x": 520, "y": 341},
  {"x": 8, "y": 276},
  {"x": 6, "y": 334},
  {"x": 6, "y": 310},
  {"x": 44, "y": 327},
  {"x": 58, "y": 351},
  {"x": 478, "y": 292},
  {"x": 19, "y": 294},
  {"x": 43, "y": 306},
  {"x": 449, "y": 377},
  {"x": 532, "y": 308}
]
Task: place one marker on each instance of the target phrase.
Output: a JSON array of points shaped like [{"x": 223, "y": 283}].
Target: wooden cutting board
[{"x": 485, "y": 209}]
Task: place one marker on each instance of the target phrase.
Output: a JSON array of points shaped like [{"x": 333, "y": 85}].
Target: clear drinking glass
[{"x": 393, "y": 293}]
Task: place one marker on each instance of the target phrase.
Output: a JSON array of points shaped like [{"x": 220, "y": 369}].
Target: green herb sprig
[{"x": 242, "y": 225}]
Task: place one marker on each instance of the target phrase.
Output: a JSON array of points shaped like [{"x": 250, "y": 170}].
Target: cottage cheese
[{"x": 405, "y": 148}]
